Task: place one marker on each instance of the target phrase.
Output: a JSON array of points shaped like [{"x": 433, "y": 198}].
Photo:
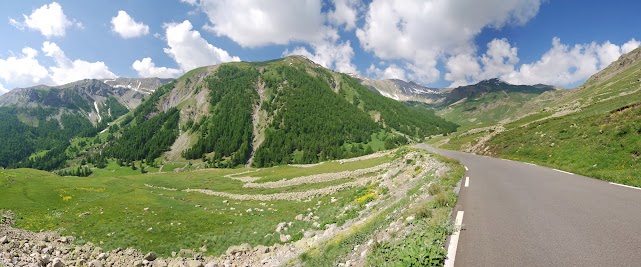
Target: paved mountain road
[{"x": 517, "y": 214}]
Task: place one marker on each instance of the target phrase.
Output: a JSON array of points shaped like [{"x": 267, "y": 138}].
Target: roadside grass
[
  {"x": 599, "y": 141},
  {"x": 429, "y": 236},
  {"x": 459, "y": 141}
]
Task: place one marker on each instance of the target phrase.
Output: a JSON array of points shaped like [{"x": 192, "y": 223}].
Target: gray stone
[
  {"x": 194, "y": 263},
  {"x": 57, "y": 262},
  {"x": 137, "y": 263},
  {"x": 150, "y": 256},
  {"x": 4, "y": 240},
  {"x": 95, "y": 263}
]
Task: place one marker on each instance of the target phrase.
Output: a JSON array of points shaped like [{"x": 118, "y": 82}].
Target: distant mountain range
[{"x": 87, "y": 97}]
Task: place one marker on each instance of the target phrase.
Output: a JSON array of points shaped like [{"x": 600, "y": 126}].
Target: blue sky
[{"x": 437, "y": 43}]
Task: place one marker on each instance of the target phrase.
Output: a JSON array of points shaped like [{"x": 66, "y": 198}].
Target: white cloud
[
  {"x": 345, "y": 12},
  {"x": 630, "y": 45},
  {"x": 67, "y": 71},
  {"x": 147, "y": 68},
  {"x": 23, "y": 70},
  {"x": 391, "y": 72},
  {"x": 190, "y": 2},
  {"x": 565, "y": 65},
  {"x": 423, "y": 32},
  {"x": 561, "y": 65},
  {"x": 3, "y": 90},
  {"x": 125, "y": 26},
  {"x": 49, "y": 20},
  {"x": 329, "y": 55},
  {"x": 190, "y": 50},
  {"x": 254, "y": 23}
]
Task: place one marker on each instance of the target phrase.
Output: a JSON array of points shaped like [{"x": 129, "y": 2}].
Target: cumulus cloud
[
  {"x": 391, "y": 72},
  {"x": 125, "y": 26},
  {"x": 147, "y": 68},
  {"x": 49, "y": 20},
  {"x": 2, "y": 89},
  {"x": 345, "y": 12},
  {"x": 190, "y": 50},
  {"x": 329, "y": 55},
  {"x": 66, "y": 70},
  {"x": 561, "y": 65},
  {"x": 630, "y": 45},
  {"x": 424, "y": 32},
  {"x": 23, "y": 70},
  {"x": 254, "y": 23}
]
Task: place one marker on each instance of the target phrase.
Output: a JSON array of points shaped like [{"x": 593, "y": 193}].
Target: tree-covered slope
[
  {"x": 270, "y": 113},
  {"x": 38, "y": 123}
]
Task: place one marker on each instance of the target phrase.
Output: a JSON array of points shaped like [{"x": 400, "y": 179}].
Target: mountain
[
  {"x": 44, "y": 118},
  {"x": 289, "y": 110},
  {"x": 142, "y": 85},
  {"x": 484, "y": 103},
  {"x": 487, "y": 102},
  {"x": 403, "y": 91}
]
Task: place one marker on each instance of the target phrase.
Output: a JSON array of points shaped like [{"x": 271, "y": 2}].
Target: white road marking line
[
  {"x": 451, "y": 249},
  {"x": 531, "y": 164},
  {"x": 564, "y": 172},
  {"x": 466, "y": 168},
  {"x": 633, "y": 187},
  {"x": 467, "y": 181}
]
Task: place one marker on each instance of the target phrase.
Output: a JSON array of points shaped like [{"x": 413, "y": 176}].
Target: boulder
[
  {"x": 95, "y": 263},
  {"x": 57, "y": 262},
  {"x": 151, "y": 256}
]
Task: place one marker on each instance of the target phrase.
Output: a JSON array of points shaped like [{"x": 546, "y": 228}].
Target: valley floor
[{"x": 371, "y": 210}]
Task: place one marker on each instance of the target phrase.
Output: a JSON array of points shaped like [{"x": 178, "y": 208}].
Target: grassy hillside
[
  {"x": 594, "y": 131},
  {"x": 487, "y": 109}
]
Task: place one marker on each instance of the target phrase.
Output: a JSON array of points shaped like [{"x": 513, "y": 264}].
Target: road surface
[{"x": 517, "y": 214}]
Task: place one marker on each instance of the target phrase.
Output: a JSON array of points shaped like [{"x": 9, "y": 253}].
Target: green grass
[
  {"x": 458, "y": 141},
  {"x": 595, "y": 142},
  {"x": 44, "y": 201},
  {"x": 486, "y": 110}
]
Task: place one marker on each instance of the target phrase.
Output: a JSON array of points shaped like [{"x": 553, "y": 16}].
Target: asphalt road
[{"x": 516, "y": 214}]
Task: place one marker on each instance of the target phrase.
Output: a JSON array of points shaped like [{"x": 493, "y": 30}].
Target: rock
[
  {"x": 137, "y": 263},
  {"x": 280, "y": 227},
  {"x": 160, "y": 263},
  {"x": 285, "y": 238},
  {"x": 194, "y": 263},
  {"x": 299, "y": 217},
  {"x": 85, "y": 214},
  {"x": 102, "y": 256},
  {"x": 262, "y": 249},
  {"x": 151, "y": 256},
  {"x": 211, "y": 264},
  {"x": 64, "y": 240},
  {"x": 225, "y": 201},
  {"x": 146, "y": 209},
  {"x": 57, "y": 262},
  {"x": 238, "y": 249},
  {"x": 4, "y": 240},
  {"x": 45, "y": 259},
  {"x": 95, "y": 263}
]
